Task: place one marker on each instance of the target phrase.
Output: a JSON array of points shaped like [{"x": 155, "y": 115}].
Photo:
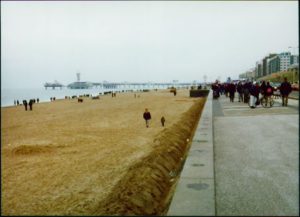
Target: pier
[
  {"x": 127, "y": 85},
  {"x": 53, "y": 85}
]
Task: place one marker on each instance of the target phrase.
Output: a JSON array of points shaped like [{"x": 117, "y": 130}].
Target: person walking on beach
[
  {"x": 147, "y": 117},
  {"x": 25, "y": 104},
  {"x": 162, "y": 120},
  {"x": 30, "y": 104},
  {"x": 285, "y": 89},
  {"x": 18, "y": 102},
  {"x": 15, "y": 103}
]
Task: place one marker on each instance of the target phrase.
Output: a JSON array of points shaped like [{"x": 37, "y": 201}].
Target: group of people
[
  {"x": 147, "y": 117},
  {"x": 30, "y": 103},
  {"x": 26, "y": 104},
  {"x": 247, "y": 90}
]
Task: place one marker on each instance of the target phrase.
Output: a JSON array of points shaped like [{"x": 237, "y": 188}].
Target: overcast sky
[{"x": 140, "y": 40}]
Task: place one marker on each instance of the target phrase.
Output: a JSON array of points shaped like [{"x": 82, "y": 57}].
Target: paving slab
[
  {"x": 197, "y": 197},
  {"x": 256, "y": 160}
]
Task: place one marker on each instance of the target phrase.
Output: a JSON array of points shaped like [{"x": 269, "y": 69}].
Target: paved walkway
[{"x": 256, "y": 159}]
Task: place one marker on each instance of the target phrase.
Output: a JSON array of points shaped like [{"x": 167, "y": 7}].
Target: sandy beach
[{"x": 95, "y": 157}]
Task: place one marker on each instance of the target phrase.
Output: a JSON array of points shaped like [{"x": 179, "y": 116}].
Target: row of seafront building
[{"x": 273, "y": 63}]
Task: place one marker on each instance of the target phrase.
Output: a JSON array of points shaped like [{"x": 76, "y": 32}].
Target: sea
[{"x": 8, "y": 96}]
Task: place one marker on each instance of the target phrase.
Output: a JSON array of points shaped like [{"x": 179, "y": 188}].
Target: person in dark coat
[
  {"x": 18, "y": 102},
  {"x": 30, "y": 104},
  {"x": 239, "y": 89},
  {"x": 285, "y": 89},
  {"x": 216, "y": 90},
  {"x": 254, "y": 91},
  {"x": 162, "y": 120},
  {"x": 246, "y": 89},
  {"x": 25, "y": 104},
  {"x": 231, "y": 90},
  {"x": 147, "y": 117},
  {"x": 263, "y": 88}
]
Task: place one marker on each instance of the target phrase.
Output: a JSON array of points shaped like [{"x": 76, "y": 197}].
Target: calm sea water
[{"x": 9, "y": 95}]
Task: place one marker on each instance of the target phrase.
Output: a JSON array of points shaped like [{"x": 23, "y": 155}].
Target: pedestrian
[
  {"x": 246, "y": 89},
  {"x": 37, "y": 100},
  {"x": 15, "y": 102},
  {"x": 254, "y": 95},
  {"x": 25, "y": 104},
  {"x": 30, "y": 104},
  {"x": 147, "y": 117},
  {"x": 174, "y": 92},
  {"x": 18, "y": 103},
  {"x": 239, "y": 89},
  {"x": 285, "y": 89},
  {"x": 215, "y": 88},
  {"x": 268, "y": 92},
  {"x": 231, "y": 90},
  {"x": 263, "y": 88},
  {"x": 162, "y": 120}
]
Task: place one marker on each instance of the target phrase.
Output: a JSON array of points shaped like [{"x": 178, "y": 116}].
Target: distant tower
[{"x": 78, "y": 76}]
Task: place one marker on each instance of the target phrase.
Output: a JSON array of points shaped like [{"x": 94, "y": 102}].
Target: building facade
[
  {"x": 274, "y": 64},
  {"x": 258, "y": 69},
  {"x": 285, "y": 60},
  {"x": 294, "y": 59},
  {"x": 265, "y": 64},
  {"x": 271, "y": 64}
]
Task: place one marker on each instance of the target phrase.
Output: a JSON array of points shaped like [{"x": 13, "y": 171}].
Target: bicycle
[
  {"x": 268, "y": 101},
  {"x": 263, "y": 102}
]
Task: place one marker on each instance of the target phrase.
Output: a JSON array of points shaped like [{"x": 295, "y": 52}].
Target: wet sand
[{"x": 95, "y": 157}]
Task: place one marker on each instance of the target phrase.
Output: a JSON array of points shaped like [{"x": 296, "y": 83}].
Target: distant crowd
[{"x": 248, "y": 92}]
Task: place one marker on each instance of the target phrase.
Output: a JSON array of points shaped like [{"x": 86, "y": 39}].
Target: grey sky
[{"x": 139, "y": 40}]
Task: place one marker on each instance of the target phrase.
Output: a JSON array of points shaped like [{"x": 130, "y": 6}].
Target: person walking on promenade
[
  {"x": 246, "y": 88},
  {"x": 285, "y": 89},
  {"x": 239, "y": 89},
  {"x": 254, "y": 94},
  {"x": 263, "y": 88},
  {"x": 269, "y": 90},
  {"x": 231, "y": 90},
  {"x": 25, "y": 104},
  {"x": 162, "y": 120},
  {"x": 215, "y": 88},
  {"x": 147, "y": 117}
]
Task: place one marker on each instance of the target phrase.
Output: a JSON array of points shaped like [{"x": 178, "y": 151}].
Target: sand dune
[{"x": 70, "y": 158}]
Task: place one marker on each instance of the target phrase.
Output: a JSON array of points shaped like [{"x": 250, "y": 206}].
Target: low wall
[
  {"x": 199, "y": 93},
  {"x": 195, "y": 191}
]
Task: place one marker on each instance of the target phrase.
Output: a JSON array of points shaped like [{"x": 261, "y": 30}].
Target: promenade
[{"x": 255, "y": 162}]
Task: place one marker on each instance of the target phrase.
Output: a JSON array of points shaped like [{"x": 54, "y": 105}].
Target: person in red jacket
[
  {"x": 147, "y": 117},
  {"x": 269, "y": 90}
]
